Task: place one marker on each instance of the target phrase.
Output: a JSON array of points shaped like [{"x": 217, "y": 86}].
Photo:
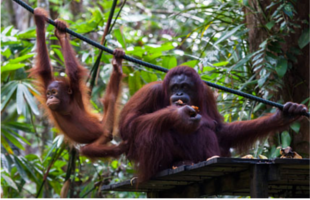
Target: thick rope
[{"x": 156, "y": 67}]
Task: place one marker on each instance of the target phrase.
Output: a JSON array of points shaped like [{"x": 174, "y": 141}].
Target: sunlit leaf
[
  {"x": 29, "y": 98},
  {"x": 220, "y": 63},
  {"x": 59, "y": 54},
  {"x": 191, "y": 63},
  {"x": 114, "y": 164},
  {"x": 9, "y": 181},
  {"x": 7, "y": 91},
  {"x": 21, "y": 58},
  {"x": 20, "y": 99},
  {"x": 10, "y": 67},
  {"x": 169, "y": 62}
]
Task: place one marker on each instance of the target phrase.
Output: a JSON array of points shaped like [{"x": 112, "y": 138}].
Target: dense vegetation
[{"x": 213, "y": 36}]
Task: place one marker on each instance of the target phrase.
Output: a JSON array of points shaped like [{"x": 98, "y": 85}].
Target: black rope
[{"x": 156, "y": 67}]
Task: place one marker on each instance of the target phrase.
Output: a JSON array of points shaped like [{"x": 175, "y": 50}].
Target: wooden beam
[{"x": 259, "y": 181}]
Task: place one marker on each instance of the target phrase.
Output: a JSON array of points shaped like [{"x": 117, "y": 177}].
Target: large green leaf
[
  {"x": 9, "y": 181},
  {"x": 20, "y": 168},
  {"x": 23, "y": 91},
  {"x": 191, "y": 63},
  {"x": 169, "y": 62},
  {"x": 281, "y": 67},
  {"x": 11, "y": 66},
  {"x": 148, "y": 77},
  {"x": 7, "y": 91},
  {"x": 12, "y": 139},
  {"x": 21, "y": 58},
  {"x": 304, "y": 38},
  {"x": 119, "y": 36},
  {"x": 134, "y": 82}
]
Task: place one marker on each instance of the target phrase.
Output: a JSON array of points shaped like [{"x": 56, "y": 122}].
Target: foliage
[{"x": 209, "y": 36}]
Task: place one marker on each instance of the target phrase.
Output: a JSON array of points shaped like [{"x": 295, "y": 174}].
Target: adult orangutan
[
  {"x": 66, "y": 99},
  {"x": 163, "y": 129}
]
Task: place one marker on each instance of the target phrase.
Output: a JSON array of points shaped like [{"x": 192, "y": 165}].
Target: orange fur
[{"x": 69, "y": 108}]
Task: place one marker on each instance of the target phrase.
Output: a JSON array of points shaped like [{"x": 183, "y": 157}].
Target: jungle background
[{"x": 258, "y": 47}]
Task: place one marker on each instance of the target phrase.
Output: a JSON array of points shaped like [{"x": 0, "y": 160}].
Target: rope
[{"x": 156, "y": 67}]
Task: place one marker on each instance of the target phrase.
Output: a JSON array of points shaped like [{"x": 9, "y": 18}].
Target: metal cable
[{"x": 156, "y": 67}]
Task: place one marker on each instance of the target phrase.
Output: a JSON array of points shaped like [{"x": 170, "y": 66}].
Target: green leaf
[
  {"x": 270, "y": 24},
  {"x": 274, "y": 152},
  {"x": 304, "y": 38},
  {"x": 29, "y": 98},
  {"x": 20, "y": 99},
  {"x": 240, "y": 62},
  {"x": 21, "y": 58},
  {"x": 296, "y": 127},
  {"x": 59, "y": 54},
  {"x": 27, "y": 34},
  {"x": 281, "y": 67},
  {"x": 9, "y": 181},
  {"x": 5, "y": 144},
  {"x": 137, "y": 51},
  {"x": 262, "y": 81},
  {"x": 26, "y": 166},
  {"x": 114, "y": 164},
  {"x": 228, "y": 34},
  {"x": 20, "y": 168},
  {"x": 285, "y": 139},
  {"x": 134, "y": 82},
  {"x": 288, "y": 10},
  {"x": 52, "y": 148},
  {"x": 119, "y": 36},
  {"x": 148, "y": 77},
  {"x": 10, "y": 67},
  {"x": 7, "y": 92},
  {"x": 6, "y": 52},
  {"x": 12, "y": 139},
  {"x": 191, "y": 63},
  {"x": 220, "y": 64},
  {"x": 169, "y": 62},
  {"x": 7, "y": 30}
]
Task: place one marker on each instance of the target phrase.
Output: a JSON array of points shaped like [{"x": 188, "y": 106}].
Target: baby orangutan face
[{"x": 58, "y": 96}]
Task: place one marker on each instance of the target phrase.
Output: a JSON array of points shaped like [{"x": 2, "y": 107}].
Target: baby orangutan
[{"x": 66, "y": 99}]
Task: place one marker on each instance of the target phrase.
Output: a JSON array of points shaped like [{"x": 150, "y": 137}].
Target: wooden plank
[
  {"x": 304, "y": 161},
  {"x": 292, "y": 171},
  {"x": 227, "y": 176},
  {"x": 259, "y": 181}
]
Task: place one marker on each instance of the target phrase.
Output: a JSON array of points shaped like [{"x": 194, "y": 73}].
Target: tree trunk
[{"x": 296, "y": 80}]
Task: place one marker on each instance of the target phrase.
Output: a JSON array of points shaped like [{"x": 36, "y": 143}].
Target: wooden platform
[{"x": 227, "y": 176}]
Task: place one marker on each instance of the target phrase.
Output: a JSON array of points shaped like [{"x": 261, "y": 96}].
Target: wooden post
[{"x": 259, "y": 181}]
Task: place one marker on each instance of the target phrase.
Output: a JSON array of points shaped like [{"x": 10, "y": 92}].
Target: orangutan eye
[{"x": 48, "y": 93}]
